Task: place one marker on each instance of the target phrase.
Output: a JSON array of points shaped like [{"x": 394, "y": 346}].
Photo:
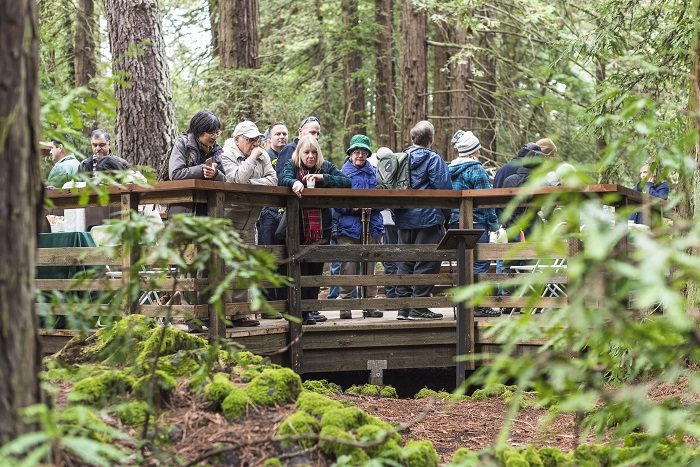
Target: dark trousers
[
  {"x": 391, "y": 237},
  {"x": 267, "y": 225},
  {"x": 311, "y": 269},
  {"x": 425, "y": 236}
]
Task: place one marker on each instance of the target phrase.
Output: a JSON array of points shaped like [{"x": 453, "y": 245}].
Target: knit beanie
[{"x": 465, "y": 143}]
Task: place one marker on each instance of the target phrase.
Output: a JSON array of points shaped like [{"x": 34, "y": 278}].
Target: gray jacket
[
  {"x": 239, "y": 169},
  {"x": 187, "y": 159}
]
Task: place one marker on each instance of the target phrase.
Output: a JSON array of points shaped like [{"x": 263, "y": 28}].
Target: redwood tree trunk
[
  {"x": 146, "y": 127},
  {"x": 20, "y": 200},
  {"x": 214, "y": 25},
  {"x": 414, "y": 77},
  {"x": 353, "y": 86},
  {"x": 441, "y": 111},
  {"x": 487, "y": 92},
  {"x": 385, "y": 113},
  {"x": 85, "y": 65},
  {"x": 238, "y": 33}
]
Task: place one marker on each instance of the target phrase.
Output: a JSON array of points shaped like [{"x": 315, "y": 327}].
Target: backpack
[{"x": 394, "y": 171}]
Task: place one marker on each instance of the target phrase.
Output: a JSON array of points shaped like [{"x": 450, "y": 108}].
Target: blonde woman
[{"x": 306, "y": 169}]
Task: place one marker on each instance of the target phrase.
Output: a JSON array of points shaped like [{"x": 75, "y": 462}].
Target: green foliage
[
  {"x": 300, "y": 423},
  {"x": 347, "y": 418},
  {"x": 158, "y": 386},
  {"x": 322, "y": 387},
  {"x": 316, "y": 404},
  {"x": 71, "y": 373},
  {"x": 274, "y": 386},
  {"x": 133, "y": 413},
  {"x": 372, "y": 390},
  {"x": 420, "y": 454},
  {"x": 101, "y": 388},
  {"x": 220, "y": 387},
  {"x": 332, "y": 444},
  {"x": 272, "y": 462},
  {"x": 463, "y": 457},
  {"x": 235, "y": 404},
  {"x": 171, "y": 340}
]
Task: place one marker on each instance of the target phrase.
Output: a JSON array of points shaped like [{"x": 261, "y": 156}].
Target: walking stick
[{"x": 364, "y": 239}]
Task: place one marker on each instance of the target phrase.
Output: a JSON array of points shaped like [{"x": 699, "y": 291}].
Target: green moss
[
  {"x": 429, "y": 393},
  {"x": 235, "y": 404},
  {"x": 370, "y": 390},
  {"x": 250, "y": 372},
  {"x": 184, "y": 363},
  {"x": 272, "y": 462},
  {"x": 551, "y": 457},
  {"x": 347, "y": 418},
  {"x": 245, "y": 358},
  {"x": 220, "y": 387},
  {"x": 101, "y": 388},
  {"x": 511, "y": 457},
  {"x": 625, "y": 454},
  {"x": 300, "y": 424},
  {"x": 174, "y": 340},
  {"x": 72, "y": 373},
  {"x": 388, "y": 391},
  {"x": 322, "y": 386},
  {"x": 316, "y": 404},
  {"x": 164, "y": 385},
  {"x": 334, "y": 449},
  {"x": 532, "y": 457},
  {"x": 495, "y": 390},
  {"x": 123, "y": 340},
  {"x": 273, "y": 387},
  {"x": 463, "y": 457},
  {"x": 592, "y": 454},
  {"x": 389, "y": 448},
  {"x": 420, "y": 454},
  {"x": 82, "y": 422},
  {"x": 133, "y": 413}
]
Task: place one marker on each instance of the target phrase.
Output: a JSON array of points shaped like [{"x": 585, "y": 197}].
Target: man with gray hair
[
  {"x": 421, "y": 226},
  {"x": 102, "y": 157}
]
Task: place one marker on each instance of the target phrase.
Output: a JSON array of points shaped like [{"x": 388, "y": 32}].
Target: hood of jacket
[{"x": 459, "y": 165}]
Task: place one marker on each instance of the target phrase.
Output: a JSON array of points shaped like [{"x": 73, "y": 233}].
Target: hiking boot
[
  {"x": 245, "y": 322},
  {"x": 372, "y": 314},
  {"x": 403, "y": 313},
  {"x": 308, "y": 320},
  {"x": 319, "y": 317},
  {"x": 422, "y": 314},
  {"x": 483, "y": 312},
  {"x": 345, "y": 314}
]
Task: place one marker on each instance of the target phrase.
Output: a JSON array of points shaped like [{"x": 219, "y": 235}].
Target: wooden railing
[{"x": 217, "y": 195}]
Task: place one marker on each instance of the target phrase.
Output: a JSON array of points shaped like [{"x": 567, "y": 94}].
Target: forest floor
[{"x": 193, "y": 428}]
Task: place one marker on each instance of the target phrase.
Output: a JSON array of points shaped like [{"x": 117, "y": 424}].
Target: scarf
[{"x": 311, "y": 218}]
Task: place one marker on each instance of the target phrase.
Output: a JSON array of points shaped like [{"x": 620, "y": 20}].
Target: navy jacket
[
  {"x": 658, "y": 191},
  {"x": 350, "y": 222},
  {"x": 511, "y": 167},
  {"x": 283, "y": 157},
  {"x": 428, "y": 172}
]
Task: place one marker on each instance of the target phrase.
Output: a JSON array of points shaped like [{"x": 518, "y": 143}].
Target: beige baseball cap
[{"x": 248, "y": 129}]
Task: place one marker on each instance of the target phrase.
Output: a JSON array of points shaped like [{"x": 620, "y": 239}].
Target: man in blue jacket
[{"x": 421, "y": 226}]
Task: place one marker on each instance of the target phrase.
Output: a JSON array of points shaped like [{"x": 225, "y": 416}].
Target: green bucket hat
[{"x": 359, "y": 142}]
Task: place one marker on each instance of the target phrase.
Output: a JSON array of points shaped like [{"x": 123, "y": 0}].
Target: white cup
[{"x": 311, "y": 182}]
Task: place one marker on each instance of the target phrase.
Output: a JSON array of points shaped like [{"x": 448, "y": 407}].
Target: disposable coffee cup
[{"x": 311, "y": 183}]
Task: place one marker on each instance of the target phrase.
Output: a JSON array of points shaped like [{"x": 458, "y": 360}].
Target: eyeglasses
[
  {"x": 215, "y": 134},
  {"x": 252, "y": 140},
  {"x": 309, "y": 120}
]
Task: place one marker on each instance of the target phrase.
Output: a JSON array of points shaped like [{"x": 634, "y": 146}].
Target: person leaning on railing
[
  {"x": 307, "y": 169},
  {"x": 359, "y": 225}
]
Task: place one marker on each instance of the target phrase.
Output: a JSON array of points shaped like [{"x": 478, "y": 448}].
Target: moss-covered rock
[
  {"x": 245, "y": 358},
  {"x": 133, "y": 413},
  {"x": 235, "y": 404},
  {"x": 274, "y": 386},
  {"x": 174, "y": 341},
  {"x": 164, "y": 385},
  {"x": 101, "y": 388},
  {"x": 388, "y": 448},
  {"x": 321, "y": 386},
  {"x": 220, "y": 387},
  {"x": 347, "y": 418},
  {"x": 184, "y": 363},
  {"x": 419, "y": 454},
  {"x": 591, "y": 455},
  {"x": 429, "y": 393},
  {"x": 82, "y": 421},
  {"x": 248, "y": 373},
  {"x": 72, "y": 373},
  {"x": 300, "y": 424},
  {"x": 389, "y": 392},
  {"x": 316, "y": 404},
  {"x": 532, "y": 457},
  {"x": 332, "y": 445},
  {"x": 495, "y": 390},
  {"x": 464, "y": 457},
  {"x": 552, "y": 457},
  {"x": 511, "y": 457}
]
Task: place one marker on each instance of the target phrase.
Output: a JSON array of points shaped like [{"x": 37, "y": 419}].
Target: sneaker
[
  {"x": 345, "y": 314},
  {"x": 420, "y": 314},
  {"x": 245, "y": 322},
  {"x": 314, "y": 313},
  {"x": 372, "y": 313},
  {"x": 483, "y": 312},
  {"x": 309, "y": 320},
  {"x": 403, "y": 313},
  {"x": 319, "y": 317}
]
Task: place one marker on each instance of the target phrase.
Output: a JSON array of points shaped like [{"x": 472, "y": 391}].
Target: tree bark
[
  {"x": 414, "y": 78},
  {"x": 214, "y": 26},
  {"x": 238, "y": 33},
  {"x": 20, "y": 200},
  {"x": 441, "y": 83},
  {"x": 486, "y": 94},
  {"x": 385, "y": 112},
  {"x": 353, "y": 85},
  {"x": 85, "y": 65},
  {"x": 146, "y": 127}
]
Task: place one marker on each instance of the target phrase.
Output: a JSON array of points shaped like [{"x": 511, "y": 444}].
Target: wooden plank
[
  {"x": 266, "y": 345},
  {"x": 293, "y": 292},
  {"x": 512, "y": 251},
  {"x": 556, "y": 279},
  {"x": 74, "y": 284},
  {"x": 234, "y": 309},
  {"x": 251, "y": 199},
  {"x": 318, "y": 361},
  {"x": 379, "y": 279},
  {"x": 375, "y": 303},
  {"x": 63, "y": 309},
  {"x": 76, "y": 256},
  {"x": 161, "y": 311},
  {"x": 325, "y": 253},
  {"x": 386, "y": 336}
]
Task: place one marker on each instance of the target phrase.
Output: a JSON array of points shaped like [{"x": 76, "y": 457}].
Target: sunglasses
[{"x": 309, "y": 120}]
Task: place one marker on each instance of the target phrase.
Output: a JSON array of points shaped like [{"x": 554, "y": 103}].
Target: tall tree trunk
[
  {"x": 214, "y": 26},
  {"x": 146, "y": 127},
  {"x": 85, "y": 66},
  {"x": 385, "y": 112},
  {"x": 353, "y": 85},
  {"x": 486, "y": 111},
  {"x": 460, "y": 71},
  {"x": 20, "y": 201},
  {"x": 414, "y": 77},
  {"x": 441, "y": 87},
  {"x": 238, "y": 33}
]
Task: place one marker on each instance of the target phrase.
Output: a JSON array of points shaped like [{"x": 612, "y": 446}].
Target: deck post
[
  {"x": 217, "y": 322},
  {"x": 465, "y": 324},
  {"x": 129, "y": 201},
  {"x": 294, "y": 291}
]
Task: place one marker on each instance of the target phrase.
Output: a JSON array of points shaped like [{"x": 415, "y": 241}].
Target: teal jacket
[{"x": 63, "y": 171}]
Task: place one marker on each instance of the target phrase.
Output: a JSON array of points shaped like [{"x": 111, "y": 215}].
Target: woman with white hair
[{"x": 467, "y": 173}]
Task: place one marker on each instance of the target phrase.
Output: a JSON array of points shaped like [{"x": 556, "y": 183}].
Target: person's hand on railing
[{"x": 298, "y": 188}]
